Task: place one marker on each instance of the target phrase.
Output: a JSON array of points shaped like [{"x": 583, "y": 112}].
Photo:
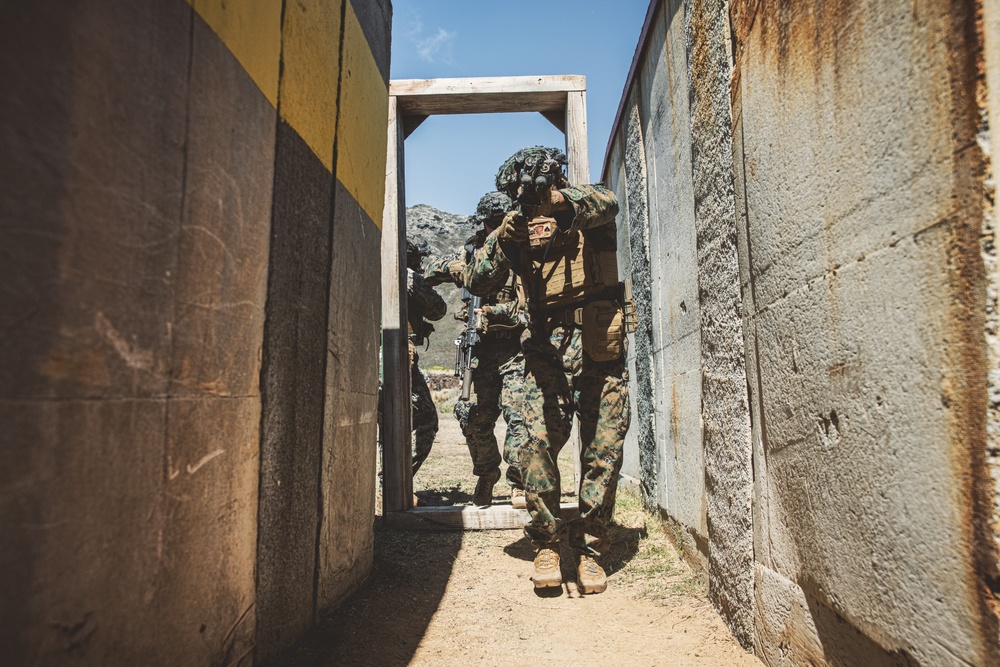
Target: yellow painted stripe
[
  {"x": 311, "y": 67},
  {"x": 364, "y": 111},
  {"x": 308, "y": 44},
  {"x": 251, "y": 30}
]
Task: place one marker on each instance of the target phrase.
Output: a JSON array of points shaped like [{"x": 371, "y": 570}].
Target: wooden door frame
[{"x": 560, "y": 99}]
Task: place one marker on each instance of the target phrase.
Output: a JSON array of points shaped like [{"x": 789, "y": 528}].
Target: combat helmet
[
  {"x": 491, "y": 208},
  {"x": 530, "y": 170},
  {"x": 416, "y": 250}
]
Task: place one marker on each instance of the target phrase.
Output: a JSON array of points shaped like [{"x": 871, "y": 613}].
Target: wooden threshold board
[{"x": 463, "y": 517}]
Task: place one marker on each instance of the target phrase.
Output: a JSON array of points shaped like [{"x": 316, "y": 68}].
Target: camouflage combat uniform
[
  {"x": 497, "y": 372},
  {"x": 423, "y": 303},
  {"x": 561, "y": 378}
]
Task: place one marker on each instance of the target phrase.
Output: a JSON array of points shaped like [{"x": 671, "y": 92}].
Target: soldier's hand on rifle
[
  {"x": 554, "y": 201},
  {"x": 456, "y": 269},
  {"x": 514, "y": 228}
]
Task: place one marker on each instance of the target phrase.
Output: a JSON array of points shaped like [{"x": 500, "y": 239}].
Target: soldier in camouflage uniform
[
  {"x": 498, "y": 364},
  {"x": 562, "y": 244},
  {"x": 422, "y": 304}
]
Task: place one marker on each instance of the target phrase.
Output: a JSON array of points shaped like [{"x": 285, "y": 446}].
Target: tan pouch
[
  {"x": 603, "y": 330},
  {"x": 607, "y": 267}
]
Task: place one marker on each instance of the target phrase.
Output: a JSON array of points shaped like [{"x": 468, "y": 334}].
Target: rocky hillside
[{"x": 445, "y": 233}]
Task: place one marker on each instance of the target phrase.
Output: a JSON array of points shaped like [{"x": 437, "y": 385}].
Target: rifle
[{"x": 465, "y": 342}]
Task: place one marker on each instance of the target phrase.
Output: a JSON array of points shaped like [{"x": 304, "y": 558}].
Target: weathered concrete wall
[
  {"x": 652, "y": 152},
  {"x": 144, "y": 210},
  {"x": 991, "y": 240},
  {"x": 725, "y": 412},
  {"x": 840, "y": 193}
]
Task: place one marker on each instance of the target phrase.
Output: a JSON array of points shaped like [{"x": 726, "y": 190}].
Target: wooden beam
[
  {"x": 481, "y": 103},
  {"x": 411, "y": 123},
  {"x": 488, "y": 84},
  {"x": 397, "y": 477},
  {"x": 495, "y": 517},
  {"x": 484, "y": 94},
  {"x": 557, "y": 118}
]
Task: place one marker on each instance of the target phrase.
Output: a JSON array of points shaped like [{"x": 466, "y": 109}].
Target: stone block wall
[
  {"x": 190, "y": 211},
  {"x": 819, "y": 212}
]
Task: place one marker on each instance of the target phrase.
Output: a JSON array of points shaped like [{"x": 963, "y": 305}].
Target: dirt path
[{"x": 466, "y": 598}]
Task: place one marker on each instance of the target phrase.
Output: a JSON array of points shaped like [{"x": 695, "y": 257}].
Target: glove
[
  {"x": 555, "y": 201},
  {"x": 456, "y": 269},
  {"x": 483, "y": 319},
  {"x": 513, "y": 229}
]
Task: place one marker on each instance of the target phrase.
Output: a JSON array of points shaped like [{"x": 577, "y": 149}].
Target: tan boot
[
  {"x": 484, "y": 488},
  {"x": 547, "y": 572},
  {"x": 517, "y": 499},
  {"x": 590, "y": 576}
]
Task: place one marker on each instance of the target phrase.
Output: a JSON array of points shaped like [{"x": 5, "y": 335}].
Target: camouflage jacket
[
  {"x": 594, "y": 211},
  {"x": 437, "y": 271},
  {"x": 422, "y": 303},
  {"x": 502, "y": 309}
]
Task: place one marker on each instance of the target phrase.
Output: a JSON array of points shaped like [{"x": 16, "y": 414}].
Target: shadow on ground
[
  {"x": 377, "y": 625},
  {"x": 452, "y": 495},
  {"x": 624, "y": 547}
]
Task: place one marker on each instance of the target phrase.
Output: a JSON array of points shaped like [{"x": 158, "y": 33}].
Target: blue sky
[{"x": 451, "y": 160}]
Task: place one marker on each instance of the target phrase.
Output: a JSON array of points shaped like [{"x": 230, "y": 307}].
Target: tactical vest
[
  {"x": 574, "y": 283},
  {"x": 566, "y": 269},
  {"x": 507, "y": 311}
]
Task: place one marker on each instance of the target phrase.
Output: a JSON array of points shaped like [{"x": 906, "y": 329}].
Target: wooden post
[
  {"x": 397, "y": 477},
  {"x": 579, "y": 174},
  {"x": 576, "y": 138}
]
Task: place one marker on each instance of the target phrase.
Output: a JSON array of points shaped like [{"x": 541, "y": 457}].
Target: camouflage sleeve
[
  {"x": 437, "y": 271},
  {"x": 501, "y": 315},
  {"x": 593, "y": 206},
  {"x": 488, "y": 270},
  {"x": 431, "y": 305}
]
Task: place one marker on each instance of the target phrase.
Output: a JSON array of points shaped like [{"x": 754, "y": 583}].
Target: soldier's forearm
[
  {"x": 488, "y": 269},
  {"x": 593, "y": 206}
]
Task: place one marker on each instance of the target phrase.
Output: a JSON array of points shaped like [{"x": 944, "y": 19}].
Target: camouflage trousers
[
  {"x": 560, "y": 380},
  {"x": 498, "y": 379},
  {"x": 423, "y": 416}
]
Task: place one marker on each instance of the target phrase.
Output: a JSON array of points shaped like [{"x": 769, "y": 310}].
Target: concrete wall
[
  {"x": 840, "y": 233},
  {"x": 182, "y": 233}
]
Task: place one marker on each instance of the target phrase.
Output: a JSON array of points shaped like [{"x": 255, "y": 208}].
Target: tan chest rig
[
  {"x": 573, "y": 283},
  {"x": 507, "y": 308}
]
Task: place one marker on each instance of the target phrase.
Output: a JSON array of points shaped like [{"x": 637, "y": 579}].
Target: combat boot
[
  {"x": 484, "y": 488},
  {"x": 517, "y": 500},
  {"x": 547, "y": 572},
  {"x": 590, "y": 576}
]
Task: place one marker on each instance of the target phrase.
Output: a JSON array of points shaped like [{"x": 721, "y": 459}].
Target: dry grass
[
  {"x": 654, "y": 569},
  {"x": 445, "y": 399}
]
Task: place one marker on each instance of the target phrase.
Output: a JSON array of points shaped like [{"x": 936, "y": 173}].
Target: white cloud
[
  {"x": 436, "y": 48},
  {"x": 413, "y": 30}
]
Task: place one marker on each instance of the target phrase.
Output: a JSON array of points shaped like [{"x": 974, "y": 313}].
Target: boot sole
[
  {"x": 547, "y": 583},
  {"x": 588, "y": 590}
]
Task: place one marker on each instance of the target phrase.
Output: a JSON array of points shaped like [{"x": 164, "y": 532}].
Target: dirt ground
[{"x": 467, "y": 598}]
